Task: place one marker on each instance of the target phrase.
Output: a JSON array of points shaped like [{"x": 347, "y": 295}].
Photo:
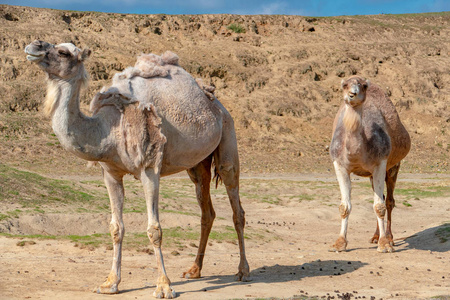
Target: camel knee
[
  {"x": 228, "y": 174},
  {"x": 208, "y": 217},
  {"x": 344, "y": 210},
  {"x": 117, "y": 231},
  {"x": 154, "y": 233},
  {"x": 390, "y": 203},
  {"x": 239, "y": 218},
  {"x": 380, "y": 210}
]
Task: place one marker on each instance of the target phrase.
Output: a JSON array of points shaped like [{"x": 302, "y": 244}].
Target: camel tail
[{"x": 216, "y": 176}]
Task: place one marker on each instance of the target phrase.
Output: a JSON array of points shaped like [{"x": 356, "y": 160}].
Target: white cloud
[
  {"x": 271, "y": 8},
  {"x": 274, "y": 8}
]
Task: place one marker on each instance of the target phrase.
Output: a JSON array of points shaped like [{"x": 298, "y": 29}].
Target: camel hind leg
[
  {"x": 391, "y": 179},
  {"x": 201, "y": 177},
  {"x": 226, "y": 162}
]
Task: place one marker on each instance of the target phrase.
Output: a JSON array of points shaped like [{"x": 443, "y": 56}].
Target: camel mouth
[
  {"x": 33, "y": 54},
  {"x": 352, "y": 95},
  {"x": 34, "y": 57},
  {"x": 350, "y": 98}
]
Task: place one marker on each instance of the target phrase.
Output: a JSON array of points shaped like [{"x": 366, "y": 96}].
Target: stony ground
[{"x": 291, "y": 223}]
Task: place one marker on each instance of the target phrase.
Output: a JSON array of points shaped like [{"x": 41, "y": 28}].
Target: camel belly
[
  {"x": 358, "y": 166},
  {"x": 187, "y": 146}
]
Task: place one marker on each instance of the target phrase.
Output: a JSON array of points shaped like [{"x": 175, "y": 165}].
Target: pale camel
[
  {"x": 153, "y": 121},
  {"x": 368, "y": 140}
]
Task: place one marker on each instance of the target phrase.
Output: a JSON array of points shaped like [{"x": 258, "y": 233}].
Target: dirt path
[{"x": 291, "y": 259}]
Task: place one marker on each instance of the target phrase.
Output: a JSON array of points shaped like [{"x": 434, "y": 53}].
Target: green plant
[
  {"x": 237, "y": 28},
  {"x": 405, "y": 203},
  {"x": 24, "y": 243},
  {"x": 443, "y": 233}
]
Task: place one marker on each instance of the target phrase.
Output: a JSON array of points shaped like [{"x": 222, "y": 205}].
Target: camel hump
[
  {"x": 208, "y": 90},
  {"x": 150, "y": 65}
]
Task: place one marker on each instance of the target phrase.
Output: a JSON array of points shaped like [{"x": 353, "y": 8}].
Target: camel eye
[{"x": 64, "y": 53}]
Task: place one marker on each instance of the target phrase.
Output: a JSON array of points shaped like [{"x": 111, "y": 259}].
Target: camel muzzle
[
  {"x": 34, "y": 58},
  {"x": 36, "y": 50}
]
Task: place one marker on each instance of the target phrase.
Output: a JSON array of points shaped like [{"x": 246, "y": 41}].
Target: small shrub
[
  {"x": 405, "y": 203},
  {"x": 24, "y": 243},
  {"x": 237, "y": 28}
]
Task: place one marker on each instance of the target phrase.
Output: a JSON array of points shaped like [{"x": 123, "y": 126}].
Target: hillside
[{"x": 279, "y": 76}]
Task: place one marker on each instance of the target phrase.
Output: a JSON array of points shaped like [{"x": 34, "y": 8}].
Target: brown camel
[
  {"x": 368, "y": 140},
  {"x": 154, "y": 120}
]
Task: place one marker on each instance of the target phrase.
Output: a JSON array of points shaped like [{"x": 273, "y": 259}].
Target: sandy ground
[{"x": 292, "y": 260}]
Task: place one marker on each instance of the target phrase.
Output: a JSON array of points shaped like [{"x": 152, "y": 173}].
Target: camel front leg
[
  {"x": 345, "y": 186},
  {"x": 376, "y": 235},
  {"x": 379, "y": 205},
  {"x": 150, "y": 181},
  {"x": 114, "y": 185}
]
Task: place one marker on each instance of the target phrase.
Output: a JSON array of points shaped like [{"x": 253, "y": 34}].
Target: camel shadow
[
  {"x": 282, "y": 273},
  {"x": 435, "y": 239}
]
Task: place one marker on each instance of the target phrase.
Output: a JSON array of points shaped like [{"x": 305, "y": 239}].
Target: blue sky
[{"x": 251, "y": 7}]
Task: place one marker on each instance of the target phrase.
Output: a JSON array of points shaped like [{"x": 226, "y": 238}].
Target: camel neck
[
  {"x": 76, "y": 132},
  {"x": 352, "y": 118}
]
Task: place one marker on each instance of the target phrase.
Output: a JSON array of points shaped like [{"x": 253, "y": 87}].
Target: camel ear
[
  {"x": 85, "y": 54},
  {"x": 342, "y": 83}
]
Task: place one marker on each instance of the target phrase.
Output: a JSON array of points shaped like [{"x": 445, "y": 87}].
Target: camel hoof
[
  {"x": 385, "y": 250},
  {"x": 106, "y": 289},
  {"x": 385, "y": 246},
  {"x": 110, "y": 286},
  {"x": 339, "y": 246},
  {"x": 189, "y": 275},
  {"x": 240, "y": 276},
  {"x": 390, "y": 239},
  {"x": 164, "y": 291},
  {"x": 374, "y": 239},
  {"x": 192, "y": 273}
]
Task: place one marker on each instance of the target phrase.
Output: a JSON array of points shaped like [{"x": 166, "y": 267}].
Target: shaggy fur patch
[
  {"x": 352, "y": 119},
  {"x": 150, "y": 65},
  {"x": 207, "y": 89},
  {"x": 110, "y": 98}
]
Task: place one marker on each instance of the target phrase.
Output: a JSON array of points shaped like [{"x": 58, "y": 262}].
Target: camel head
[
  {"x": 63, "y": 61},
  {"x": 354, "y": 89}
]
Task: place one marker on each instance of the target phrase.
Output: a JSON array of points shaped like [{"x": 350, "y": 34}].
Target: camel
[
  {"x": 369, "y": 140},
  {"x": 154, "y": 120}
]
